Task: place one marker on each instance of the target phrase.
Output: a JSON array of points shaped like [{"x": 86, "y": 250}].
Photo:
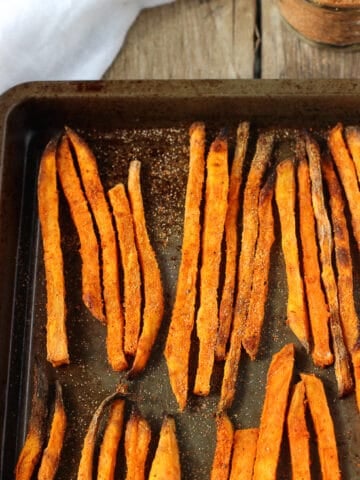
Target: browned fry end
[
  {"x": 166, "y": 462},
  {"x": 137, "y": 440},
  {"x": 224, "y": 441}
]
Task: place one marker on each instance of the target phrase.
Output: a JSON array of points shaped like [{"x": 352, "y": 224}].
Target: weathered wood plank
[
  {"x": 190, "y": 39},
  {"x": 285, "y": 55}
]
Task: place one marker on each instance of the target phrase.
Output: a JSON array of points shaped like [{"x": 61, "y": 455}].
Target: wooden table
[{"x": 191, "y": 39}]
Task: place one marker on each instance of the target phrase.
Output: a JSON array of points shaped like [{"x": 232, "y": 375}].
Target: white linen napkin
[{"x": 62, "y": 40}]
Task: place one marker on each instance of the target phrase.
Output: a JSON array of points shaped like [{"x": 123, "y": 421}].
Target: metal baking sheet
[{"x": 148, "y": 121}]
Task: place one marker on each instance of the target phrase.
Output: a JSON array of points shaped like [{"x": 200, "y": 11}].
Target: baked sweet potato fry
[
  {"x": 231, "y": 241},
  {"x": 217, "y": 185},
  {"x": 298, "y": 435},
  {"x": 259, "y": 290},
  {"x": 166, "y": 463},
  {"x": 31, "y": 451},
  {"x": 95, "y": 195},
  {"x": 249, "y": 236},
  {"x": 131, "y": 267},
  {"x": 318, "y": 311},
  {"x": 110, "y": 442},
  {"x": 345, "y": 281},
  {"x": 352, "y": 135},
  {"x": 48, "y": 206},
  {"x": 224, "y": 442},
  {"x": 347, "y": 173},
  {"x": 244, "y": 450},
  {"x": 183, "y": 314},
  {"x": 137, "y": 440},
  {"x": 153, "y": 290},
  {"x": 285, "y": 194},
  {"x": 324, "y": 427},
  {"x": 324, "y": 234},
  {"x": 51, "y": 456},
  {"x": 273, "y": 414},
  {"x": 89, "y": 248}
]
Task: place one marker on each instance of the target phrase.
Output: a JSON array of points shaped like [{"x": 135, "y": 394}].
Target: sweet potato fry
[
  {"x": 166, "y": 463},
  {"x": 323, "y": 227},
  {"x": 348, "y": 315},
  {"x": 298, "y": 435},
  {"x": 182, "y": 318},
  {"x": 246, "y": 264},
  {"x": 273, "y": 414},
  {"x": 285, "y": 194},
  {"x": 89, "y": 249},
  {"x": 31, "y": 451},
  {"x": 131, "y": 267},
  {"x": 318, "y": 311},
  {"x": 324, "y": 427},
  {"x": 224, "y": 441},
  {"x": 347, "y": 173},
  {"x": 48, "y": 205},
  {"x": 231, "y": 240},
  {"x": 137, "y": 440},
  {"x": 110, "y": 266},
  {"x": 244, "y": 450},
  {"x": 352, "y": 135},
  {"x": 153, "y": 290},
  {"x": 51, "y": 456},
  {"x": 87, "y": 454},
  {"x": 110, "y": 442},
  {"x": 255, "y": 318},
  {"x": 217, "y": 185}
]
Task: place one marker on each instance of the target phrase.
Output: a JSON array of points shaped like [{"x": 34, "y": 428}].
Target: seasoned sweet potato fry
[
  {"x": 217, "y": 185},
  {"x": 51, "y": 456},
  {"x": 323, "y": 227},
  {"x": 324, "y": 427},
  {"x": 285, "y": 194},
  {"x": 166, "y": 463},
  {"x": 318, "y": 311},
  {"x": 110, "y": 266},
  {"x": 231, "y": 240},
  {"x": 89, "y": 249},
  {"x": 182, "y": 318},
  {"x": 110, "y": 442},
  {"x": 352, "y": 135},
  {"x": 244, "y": 450},
  {"x": 137, "y": 440},
  {"x": 273, "y": 414},
  {"x": 31, "y": 451},
  {"x": 346, "y": 170},
  {"x": 224, "y": 441},
  {"x": 348, "y": 315},
  {"x": 153, "y": 290},
  {"x": 255, "y": 318},
  {"x": 131, "y": 267},
  {"x": 298, "y": 435},
  {"x": 246, "y": 264},
  {"x": 48, "y": 205}
]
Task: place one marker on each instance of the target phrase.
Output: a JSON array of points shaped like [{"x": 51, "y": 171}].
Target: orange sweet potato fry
[
  {"x": 217, "y": 183},
  {"x": 48, "y": 205},
  {"x": 231, "y": 240},
  {"x": 224, "y": 441},
  {"x": 89, "y": 249},
  {"x": 324, "y": 427},
  {"x": 166, "y": 463},
  {"x": 244, "y": 450},
  {"x": 131, "y": 267},
  {"x": 298, "y": 434},
  {"x": 318, "y": 311},
  {"x": 95, "y": 195},
  {"x": 352, "y": 135},
  {"x": 153, "y": 290},
  {"x": 51, "y": 456},
  {"x": 273, "y": 414},
  {"x": 285, "y": 194},
  {"x": 246, "y": 264},
  {"x": 182, "y": 318},
  {"x": 137, "y": 440}
]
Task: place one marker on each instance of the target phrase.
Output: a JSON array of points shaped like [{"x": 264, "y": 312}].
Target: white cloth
[{"x": 62, "y": 39}]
